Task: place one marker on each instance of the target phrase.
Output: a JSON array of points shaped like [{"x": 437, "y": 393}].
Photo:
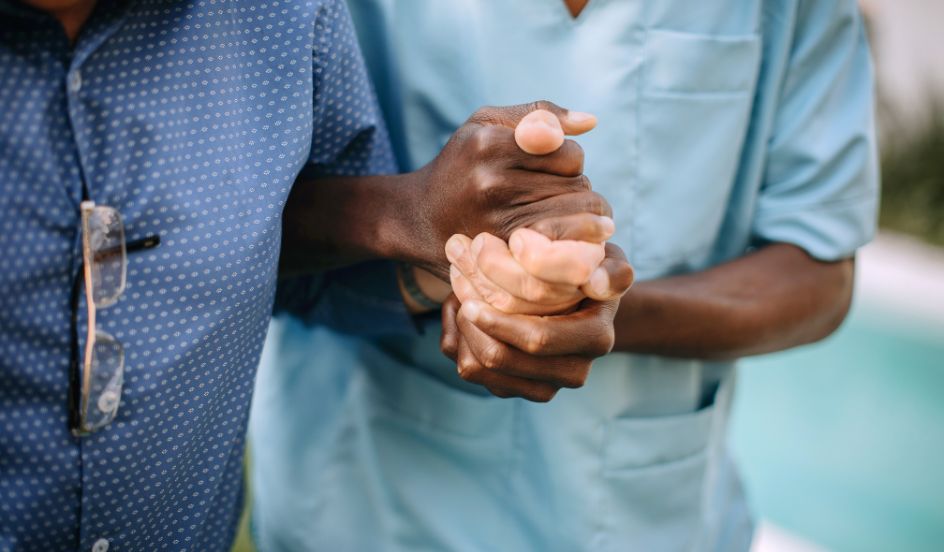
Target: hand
[
  {"x": 574, "y": 260},
  {"x": 532, "y": 356},
  {"x": 482, "y": 181},
  {"x": 538, "y": 275}
]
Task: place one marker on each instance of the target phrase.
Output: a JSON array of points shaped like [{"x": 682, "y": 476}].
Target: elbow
[
  {"x": 836, "y": 304},
  {"x": 818, "y": 311}
]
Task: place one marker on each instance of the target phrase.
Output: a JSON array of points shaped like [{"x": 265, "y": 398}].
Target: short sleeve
[
  {"x": 820, "y": 189},
  {"x": 348, "y": 139},
  {"x": 348, "y": 133}
]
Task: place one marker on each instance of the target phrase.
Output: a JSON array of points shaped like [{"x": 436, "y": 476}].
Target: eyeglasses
[{"x": 94, "y": 399}]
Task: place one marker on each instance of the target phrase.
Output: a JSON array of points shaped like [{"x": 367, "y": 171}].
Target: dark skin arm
[
  {"x": 480, "y": 182},
  {"x": 773, "y": 299}
]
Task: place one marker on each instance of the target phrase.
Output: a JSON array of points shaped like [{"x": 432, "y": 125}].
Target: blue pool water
[{"x": 843, "y": 442}]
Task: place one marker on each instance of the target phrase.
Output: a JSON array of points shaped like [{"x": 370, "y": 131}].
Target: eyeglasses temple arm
[{"x": 141, "y": 244}]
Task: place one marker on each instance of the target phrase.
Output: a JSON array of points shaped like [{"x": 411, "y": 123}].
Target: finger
[
  {"x": 566, "y": 160},
  {"x": 463, "y": 288},
  {"x": 494, "y": 263},
  {"x": 562, "y": 205},
  {"x": 612, "y": 278},
  {"x": 572, "y": 122},
  {"x": 462, "y": 268},
  {"x": 501, "y": 385},
  {"x": 449, "y": 340},
  {"x": 519, "y": 187},
  {"x": 560, "y": 261},
  {"x": 587, "y": 331},
  {"x": 560, "y": 371},
  {"x": 497, "y": 143},
  {"x": 581, "y": 227},
  {"x": 469, "y": 283},
  {"x": 457, "y": 249},
  {"x": 539, "y": 133}
]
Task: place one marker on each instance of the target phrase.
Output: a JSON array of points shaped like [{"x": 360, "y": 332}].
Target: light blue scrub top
[{"x": 724, "y": 124}]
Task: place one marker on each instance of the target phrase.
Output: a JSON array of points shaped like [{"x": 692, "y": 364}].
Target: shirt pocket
[
  {"x": 654, "y": 472},
  {"x": 694, "y": 110},
  {"x": 437, "y": 451}
]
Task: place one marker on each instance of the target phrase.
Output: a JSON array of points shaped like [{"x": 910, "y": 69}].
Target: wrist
[
  {"x": 410, "y": 234},
  {"x": 398, "y": 229},
  {"x": 421, "y": 291}
]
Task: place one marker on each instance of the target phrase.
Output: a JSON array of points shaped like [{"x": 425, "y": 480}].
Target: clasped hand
[{"x": 528, "y": 316}]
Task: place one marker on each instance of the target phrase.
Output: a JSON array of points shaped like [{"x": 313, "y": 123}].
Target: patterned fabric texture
[{"x": 192, "y": 119}]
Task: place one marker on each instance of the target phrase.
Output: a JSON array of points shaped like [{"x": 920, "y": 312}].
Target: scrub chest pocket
[{"x": 695, "y": 99}]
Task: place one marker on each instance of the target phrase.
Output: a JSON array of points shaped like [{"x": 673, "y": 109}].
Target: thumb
[
  {"x": 539, "y": 133},
  {"x": 571, "y": 122}
]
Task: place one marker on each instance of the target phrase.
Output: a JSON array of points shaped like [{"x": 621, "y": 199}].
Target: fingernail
[
  {"x": 580, "y": 117},
  {"x": 515, "y": 245},
  {"x": 454, "y": 248},
  {"x": 608, "y": 226},
  {"x": 600, "y": 282},
  {"x": 551, "y": 124},
  {"x": 477, "y": 245},
  {"x": 472, "y": 310}
]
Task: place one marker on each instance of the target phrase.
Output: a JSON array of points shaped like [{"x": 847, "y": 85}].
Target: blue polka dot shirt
[{"x": 192, "y": 119}]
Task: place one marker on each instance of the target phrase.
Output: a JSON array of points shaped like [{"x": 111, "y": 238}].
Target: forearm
[
  {"x": 773, "y": 299},
  {"x": 333, "y": 221}
]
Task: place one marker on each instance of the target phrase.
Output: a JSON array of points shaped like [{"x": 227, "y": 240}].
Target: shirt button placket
[
  {"x": 75, "y": 81},
  {"x": 101, "y": 545}
]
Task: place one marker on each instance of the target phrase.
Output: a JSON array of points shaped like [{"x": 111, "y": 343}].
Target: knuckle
[
  {"x": 493, "y": 357},
  {"x": 482, "y": 140},
  {"x": 542, "y": 104},
  {"x": 504, "y": 303},
  {"x": 469, "y": 370},
  {"x": 447, "y": 348},
  {"x": 597, "y": 204},
  {"x": 578, "y": 378},
  {"x": 535, "y": 291},
  {"x": 488, "y": 183},
  {"x": 497, "y": 298},
  {"x": 551, "y": 228},
  {"x": 536, "y": 340},
  {"x": 543, "y": 395},
  {"x": 572, "y": 155},
  {"x": 604, "y": 342}
]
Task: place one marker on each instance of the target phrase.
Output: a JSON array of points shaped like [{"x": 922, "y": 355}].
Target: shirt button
[
  {"x": 75, "y": 81},
  {"x": 101, "y": 545}
]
